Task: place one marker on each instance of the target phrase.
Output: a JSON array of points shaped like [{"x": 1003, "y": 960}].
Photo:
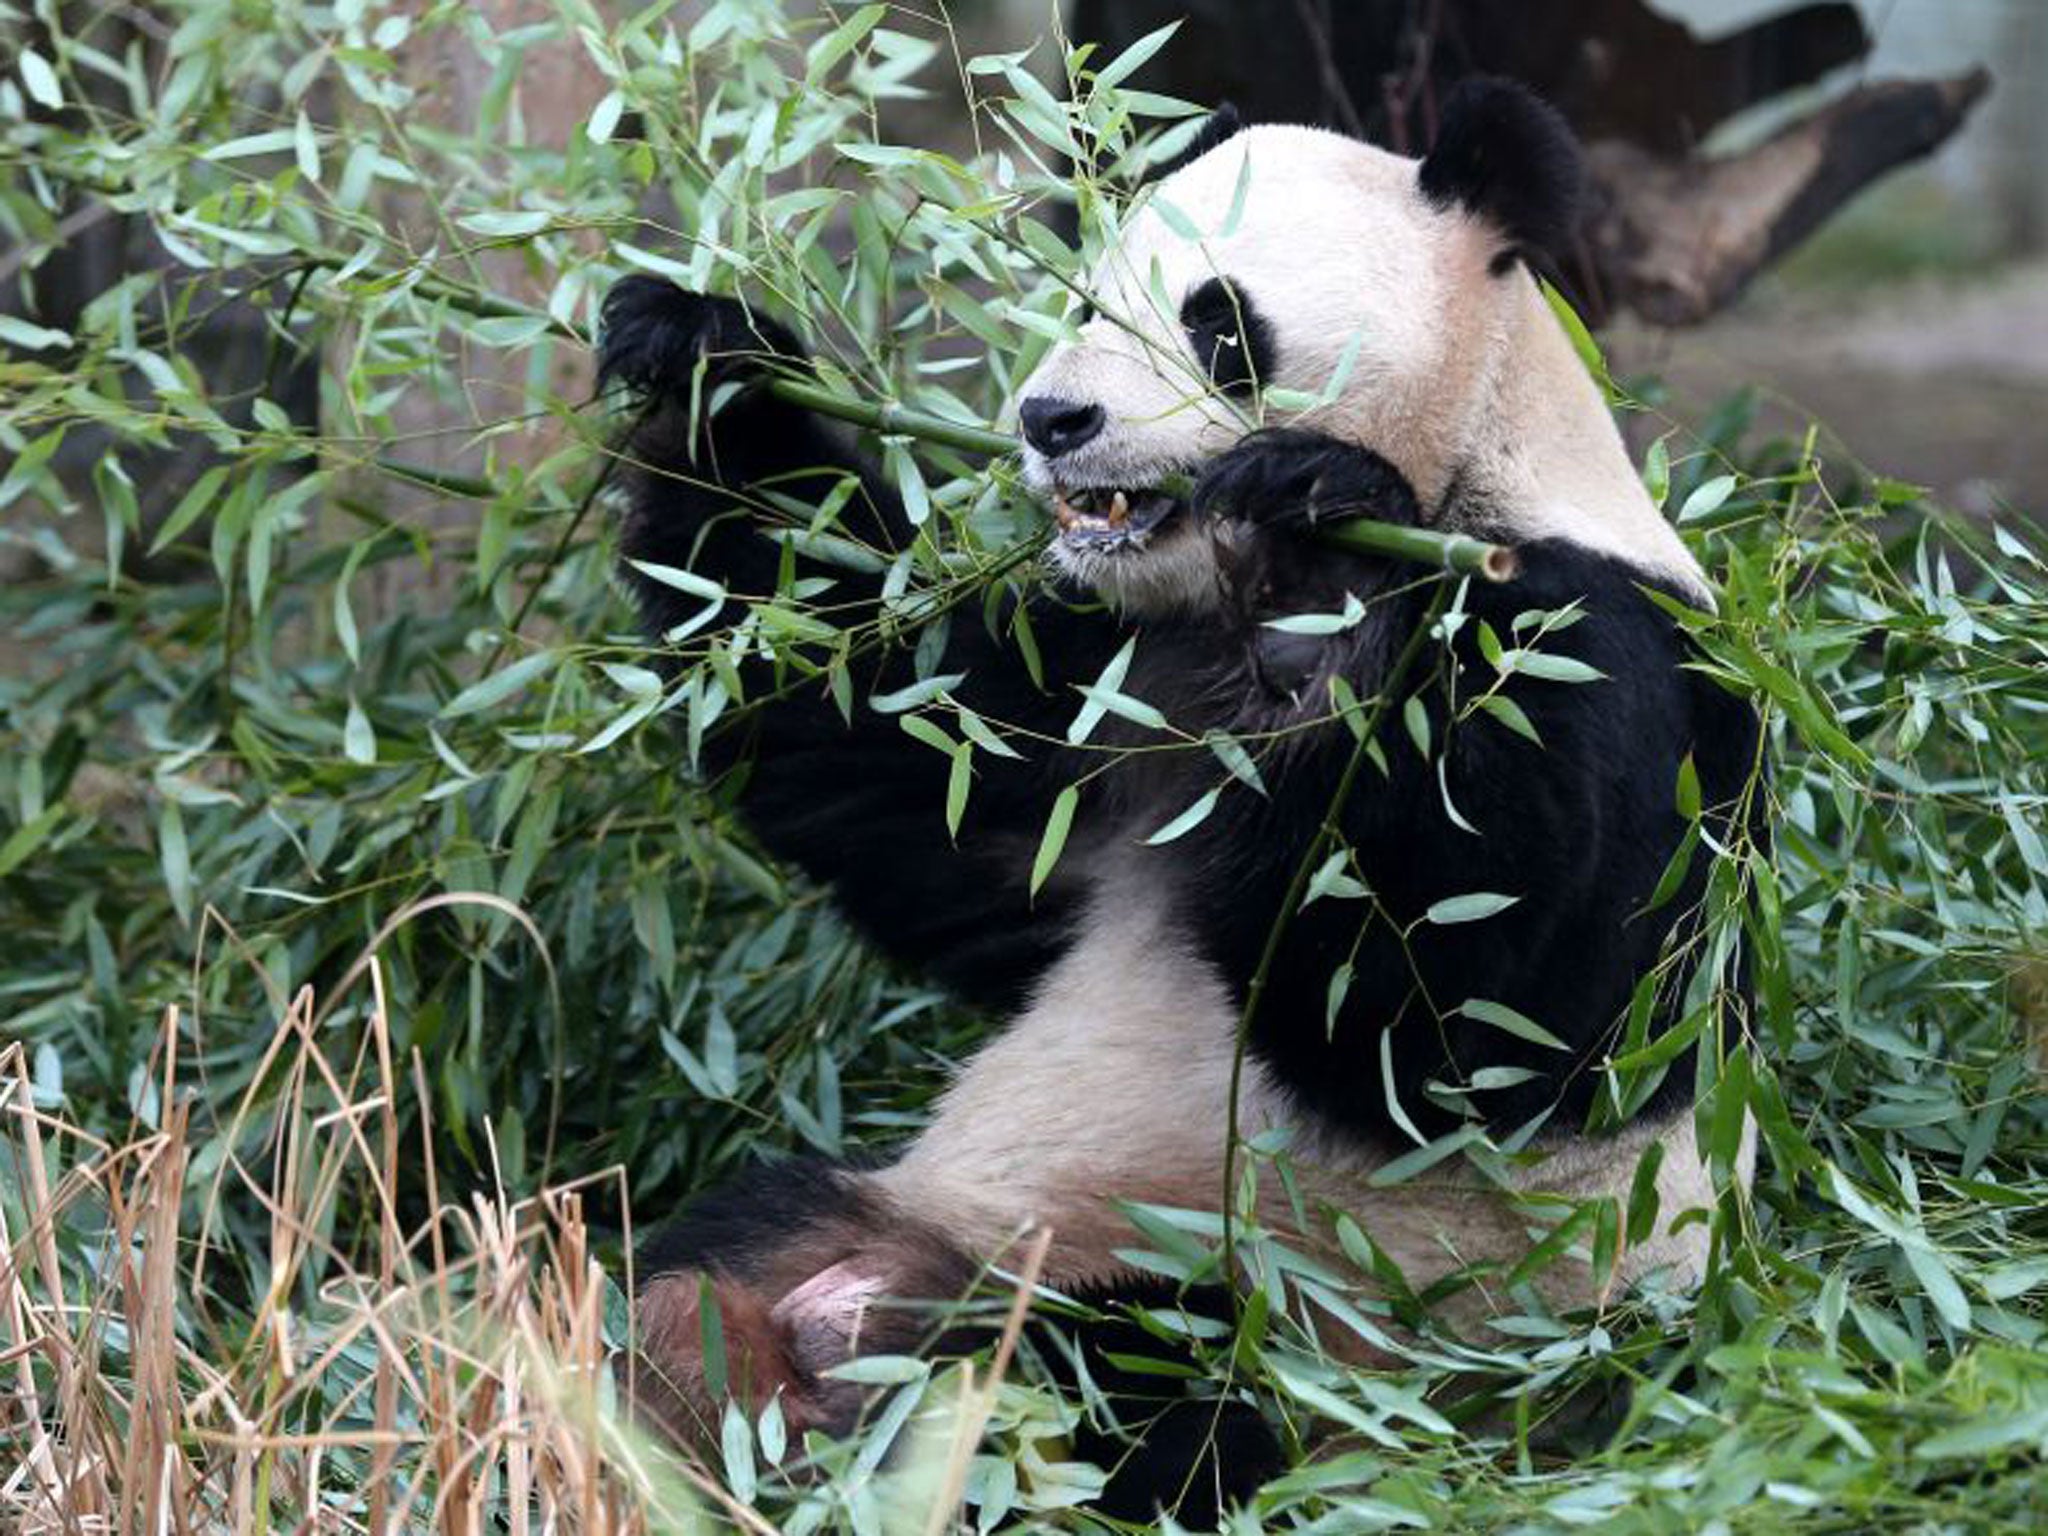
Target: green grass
[{"x": 286, "y": 1231}]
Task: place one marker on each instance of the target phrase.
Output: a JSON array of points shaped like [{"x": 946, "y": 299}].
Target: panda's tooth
[{"x": 1119, "y": 508}]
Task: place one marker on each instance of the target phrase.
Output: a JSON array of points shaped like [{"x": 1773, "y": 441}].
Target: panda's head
[{"x": 1389, "y": 289}]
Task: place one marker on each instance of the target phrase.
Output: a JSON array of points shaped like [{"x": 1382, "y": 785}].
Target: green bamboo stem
[
  {"x": 886, "y": 416},
  {"x": 1454, "y": 552},
  {"x": 467, "y": 486}
]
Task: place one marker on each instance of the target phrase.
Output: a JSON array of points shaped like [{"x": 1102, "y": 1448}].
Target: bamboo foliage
[{"x": 370, "y": 973}]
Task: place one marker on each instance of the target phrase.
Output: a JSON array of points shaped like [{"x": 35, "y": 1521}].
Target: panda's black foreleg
[
  {"x": 1282, "y": 485},
  {"x": 1292, "y": 478},
  {"x": 849, "y": 797},
  {"x": 709, "y": 449},
  {"x": 1507, "y": 851}
]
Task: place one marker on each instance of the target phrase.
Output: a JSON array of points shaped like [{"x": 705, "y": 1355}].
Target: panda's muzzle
[{"x": 1102, "y": 518}]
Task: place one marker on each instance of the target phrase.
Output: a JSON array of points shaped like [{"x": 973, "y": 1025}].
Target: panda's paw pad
[{"x": 1291, "y": 478}]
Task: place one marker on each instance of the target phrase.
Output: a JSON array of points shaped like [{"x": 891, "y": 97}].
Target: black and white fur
[{"x": 1464, "y": 407}]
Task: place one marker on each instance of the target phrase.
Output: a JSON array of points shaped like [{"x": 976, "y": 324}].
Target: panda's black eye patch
[{"x": 1232, "y": 340}]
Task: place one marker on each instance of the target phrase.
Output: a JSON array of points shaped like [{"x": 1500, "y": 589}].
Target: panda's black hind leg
[
  {"x": 1196, "y": 1460},
  {"x": 1193, "y": 1456},
  {"x": 806, "y": 1266},
  {"x": 809, "y": 1264}
]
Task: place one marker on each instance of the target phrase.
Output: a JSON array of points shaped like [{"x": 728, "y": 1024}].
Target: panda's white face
[
  {"x": 1288, "y": 257},
  {"x": 1304, "y": 260}
]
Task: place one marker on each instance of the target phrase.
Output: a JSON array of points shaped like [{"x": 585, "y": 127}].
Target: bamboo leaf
[
  {"x": 959, "y": 779},
  {"x": 175, "y": 857},
  {"x": 1186, "y": 821},
  {"x": 501, "y": 685},
  {"x": 358, "y": 740},
  {"x": 1502, "y": 1017},
  {"x": 1476, "y": 906},
  {"x": 40, "y": 80},
  {"x": 1053, "y": 840},
  {"x": 1133, "y": 58}
]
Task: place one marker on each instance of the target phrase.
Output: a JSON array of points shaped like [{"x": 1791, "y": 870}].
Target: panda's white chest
[{"x": 1115, "y": 1083}]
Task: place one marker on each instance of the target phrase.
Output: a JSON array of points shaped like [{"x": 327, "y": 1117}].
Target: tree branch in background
[
  {"x": 1677, "y": 240},
  {"x": 1673, "y": 234}
]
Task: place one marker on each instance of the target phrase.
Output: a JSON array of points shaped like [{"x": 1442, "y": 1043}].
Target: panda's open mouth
[{"x": 1104, "y": 518}]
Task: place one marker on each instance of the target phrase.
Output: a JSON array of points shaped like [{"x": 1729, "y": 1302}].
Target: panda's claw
[{"x": 1286, "y": 477}]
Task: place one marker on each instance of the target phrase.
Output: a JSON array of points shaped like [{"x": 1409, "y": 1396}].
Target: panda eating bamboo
[{"x": 1370, "y": 1021}]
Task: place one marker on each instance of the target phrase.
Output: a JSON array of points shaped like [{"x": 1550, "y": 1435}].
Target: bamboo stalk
[
  {"x": 468, "y": 487},
  {"x": 1456, "y": 552},
  {"x": 885, "y": 416}
]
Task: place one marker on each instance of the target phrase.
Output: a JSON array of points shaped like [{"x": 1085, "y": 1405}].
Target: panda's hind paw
[{"x": 1290, "y": 478}]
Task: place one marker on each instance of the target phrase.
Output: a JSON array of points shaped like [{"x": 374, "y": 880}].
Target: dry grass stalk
[
  {"x": 978, "y": 1398},
  {"x": 451, "y": 1377}
]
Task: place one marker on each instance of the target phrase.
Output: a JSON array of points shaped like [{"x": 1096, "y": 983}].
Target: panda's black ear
[
  {"x": 1224, "y": 123},
  {"x": 1507, "y": 154}
]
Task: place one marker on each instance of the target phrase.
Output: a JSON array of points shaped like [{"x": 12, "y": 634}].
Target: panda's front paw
[
  {"x": 1287, "y": 478},
  {"x": 653, "y": 336}
]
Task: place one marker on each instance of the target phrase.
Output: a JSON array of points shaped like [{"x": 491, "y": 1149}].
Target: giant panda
[{"x": 1123, "y": 984}]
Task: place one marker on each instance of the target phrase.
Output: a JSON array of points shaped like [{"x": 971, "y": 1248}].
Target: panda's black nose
[{"x": 1054, "y": 426}]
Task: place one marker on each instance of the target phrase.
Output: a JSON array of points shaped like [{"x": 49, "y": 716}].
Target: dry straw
[
  {"x": 452, "y": 1374},
  {"x": 137, "y": 1403}
]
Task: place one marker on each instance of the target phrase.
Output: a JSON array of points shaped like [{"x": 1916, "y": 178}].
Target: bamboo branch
[
  {"x": 1455, "y": 552},
  {"x": 885, "y": 416},
  {"x": 464, "y": 487}
]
